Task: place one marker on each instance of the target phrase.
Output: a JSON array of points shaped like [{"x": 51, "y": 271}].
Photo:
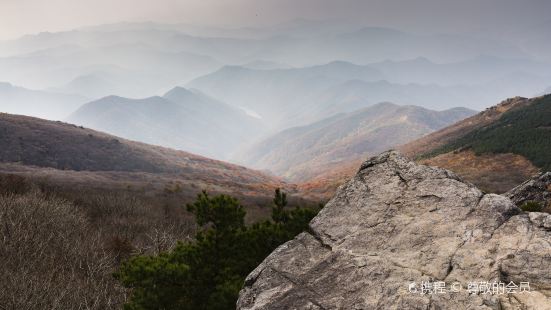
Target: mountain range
[
  {"x": 144, "y": 59},
  {"x": 478, "y": 70},
  {"x": 282, "y": 97},
  {"x": 302, "y": 42},
  {"x": 298, "y": 96},
  {"x": 181, "y": 119},
  {"x": 303, "y": 153},
  {"x": 131, "y": 69}
]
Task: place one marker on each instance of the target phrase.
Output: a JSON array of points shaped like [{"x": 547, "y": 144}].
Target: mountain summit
[{"x": 182, "y": 119}]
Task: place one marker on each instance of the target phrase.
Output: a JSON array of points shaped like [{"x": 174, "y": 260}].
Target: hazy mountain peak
[
  {"x": 111, "y": 98},
  {"x": 183, "y": 119},
  {"x": 178, "y": 91}
]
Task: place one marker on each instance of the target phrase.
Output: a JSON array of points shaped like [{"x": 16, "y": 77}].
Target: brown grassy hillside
[
  {"x": 491, "y": 172},
  {"x": 77, "y": 159}
]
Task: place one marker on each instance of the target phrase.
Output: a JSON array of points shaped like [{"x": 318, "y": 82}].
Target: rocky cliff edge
[{"x": 405, "y": 236}]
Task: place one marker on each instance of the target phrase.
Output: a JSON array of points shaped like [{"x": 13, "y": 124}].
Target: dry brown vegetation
[
  {"x": 78, "y": 159},
  {"x": 52, "y": 257},
  {"x": 60, "y": 249},
  {"x": 324, "y": 186},
  {"x": 75, "y": 204},
  {"x": 494, "y": 173},
  {"x": 60, "y": 246}
]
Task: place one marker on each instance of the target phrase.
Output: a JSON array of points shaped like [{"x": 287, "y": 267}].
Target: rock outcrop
[
  {"x": 394, "y": 233},
  {"x": 537, "y": 189}
]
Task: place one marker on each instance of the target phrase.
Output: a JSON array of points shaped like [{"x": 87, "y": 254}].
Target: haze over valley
[{"x": 217, "y": 91}]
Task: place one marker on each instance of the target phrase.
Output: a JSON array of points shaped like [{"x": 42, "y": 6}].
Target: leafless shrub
[
  {"x": 59, "y": 249},
  {"x": 14, "y": 184},
  {"x": 128, "y": 222},
  {"x": 52, "y": 258}
]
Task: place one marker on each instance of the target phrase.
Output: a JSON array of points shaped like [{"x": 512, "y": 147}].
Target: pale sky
[{"x": 19, "y": 17}]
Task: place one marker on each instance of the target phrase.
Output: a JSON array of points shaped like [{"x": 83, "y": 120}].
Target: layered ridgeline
[
  {"x": 298, "y": 96},
  {"x": 286, "y": 97},
  {"x": 336, "y": 143},
  {"x": 397, "y": 225},
  {"x": 138, "y": 59},
  {"x": 181, "y": 119},
  {"x": 495, "y": 149},
  {"x": 78, "y": 158},
  {"x": 49, "y": 105}
]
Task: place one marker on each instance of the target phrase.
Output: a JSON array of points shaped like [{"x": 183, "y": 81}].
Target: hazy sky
[{"x": 18, "y": 17}]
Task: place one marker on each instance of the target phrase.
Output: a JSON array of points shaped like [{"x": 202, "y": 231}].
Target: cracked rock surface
[{"x": 397, "y": 223}]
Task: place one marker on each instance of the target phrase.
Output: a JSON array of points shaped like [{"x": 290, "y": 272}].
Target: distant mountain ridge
[
  {"x": 298, "y": 96},
  {"x": 49, "y": 105},
  {"x": 480, "y": 69},
  {"x": 283, "y": 97},
  {"x": 130, "y": 67},
  {"x": 295, "y": 43},
  {"x": 302, "y": 153},
  {"x": 138, "y": 60},
  {"x": 181, "y": 119}
]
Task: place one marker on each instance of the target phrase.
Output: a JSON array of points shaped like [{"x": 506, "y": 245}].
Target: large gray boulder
[{"x": 398, "y": 225}]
